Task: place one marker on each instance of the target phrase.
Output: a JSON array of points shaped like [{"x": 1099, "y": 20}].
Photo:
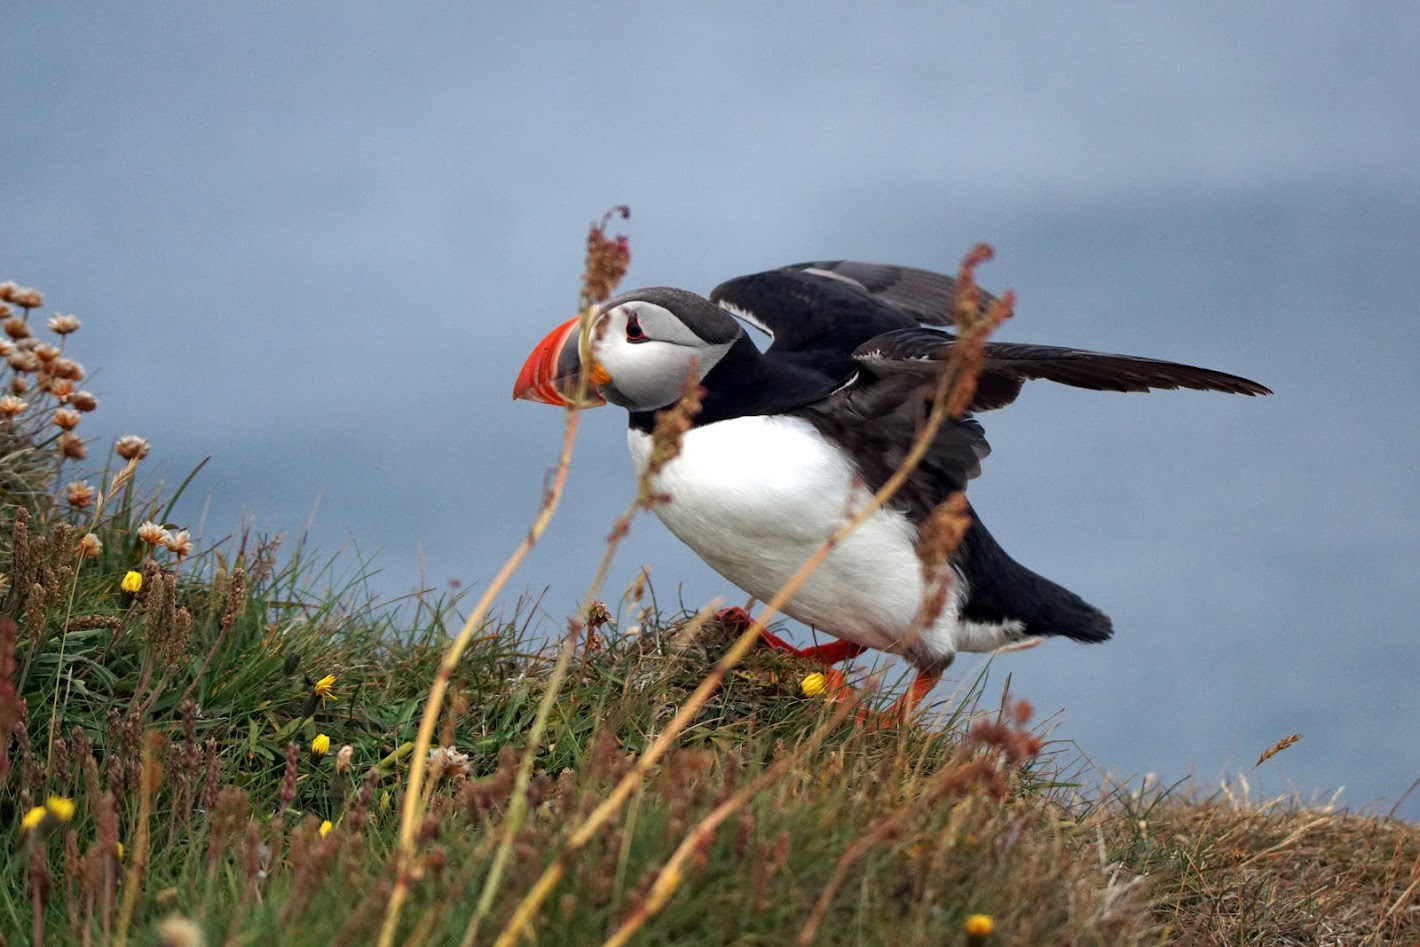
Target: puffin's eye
[{"x": 634, "y": 332}]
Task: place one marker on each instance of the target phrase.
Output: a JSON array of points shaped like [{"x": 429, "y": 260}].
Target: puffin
[{"x": 791, "y": 439}]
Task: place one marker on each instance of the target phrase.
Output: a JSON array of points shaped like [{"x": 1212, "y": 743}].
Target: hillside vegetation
[{"x": 235, "y": 744}]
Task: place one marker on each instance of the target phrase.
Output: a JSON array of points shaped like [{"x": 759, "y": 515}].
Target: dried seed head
[
  {"x": 178, "y": 931},
  {"x": 83, "y": 401},
  {"x": 131, "y": 447},
  {"x": 46, "y": 352},
  {"x": 10, "y": 406},
  {"x": 152, "y": 534},
  {"x": 63, "y": 325},
  {"x": 7, "y": 292},
  {"x": 89, "y": 547},
  {"x": 23, "y": 361},
  {"x": 72, "y": 446},
  {"x": 66, "y": 419},
  {"x": 18, "y": 385},
  {"x": 26, "y": 297},
  {"x": 342, "y": 759},
  {"x": 67, "y": 368},
  {"x": 179, "y": 543},
  {"x": 61, "y": 388},
  {"x": 79, "y": 494},
  {"x": 7, "y": 348},
  {"x": 17, "y": 328}
]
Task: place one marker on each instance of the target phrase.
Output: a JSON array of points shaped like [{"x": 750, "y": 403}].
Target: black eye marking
[{"x": 634, "y": 332}]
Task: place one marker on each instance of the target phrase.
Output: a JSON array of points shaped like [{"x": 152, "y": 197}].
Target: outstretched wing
[
  {"x": 917, "y": 352},
  {"x": 837, "y": 304}
]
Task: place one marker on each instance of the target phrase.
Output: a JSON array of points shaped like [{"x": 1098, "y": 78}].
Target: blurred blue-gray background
[{"x": 315, "y": 242}]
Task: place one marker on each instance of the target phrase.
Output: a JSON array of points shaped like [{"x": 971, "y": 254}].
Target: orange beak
[{"x": 553, "y": 372}]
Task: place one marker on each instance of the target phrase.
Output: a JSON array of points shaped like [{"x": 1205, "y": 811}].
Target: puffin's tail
[{"x": 1001, "y": 589}]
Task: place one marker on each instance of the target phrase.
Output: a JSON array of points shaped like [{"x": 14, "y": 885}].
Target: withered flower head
[
  {"x": 26, "y": 297},
  {"x": 80, "y": 494},
  {"x": 11, "y": 406},
  {"x": 607, "y": 259},
  {"x": 7, "y": 348},
  {"x": 72, "y": 446},
  {"x": 7, "y": 290},
  {"x": 83, "y": 401},
  {"x": 18, "y": 385},
  {"x": 17, "y": 328},
  {"x": 179, "y": 543},
  {"x": 46, "y": 353},
  {"x": 22, "y": 361},
  {"x": 342, "y": 759},
  {"x": 61, "y": 388},
  {"x": 67, "y": 368},
  {"x": 89, "y": 546},
  {"x": 131, "y": 447},
  {"x": 152, "y": 534},
  {"x": 63, "y": 325},
  {"x": 66, "y": 419}
]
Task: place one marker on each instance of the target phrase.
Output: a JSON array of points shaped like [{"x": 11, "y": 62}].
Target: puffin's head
[{"x": 642, "y": 347}]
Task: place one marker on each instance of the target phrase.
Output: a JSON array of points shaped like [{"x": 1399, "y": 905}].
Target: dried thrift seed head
[
  {"x": 46, "y": 353},
  {"x": 67, "y": 368},
  {"x": 7, "y": 348},
  {"x": 83, "y": 401},
  {"x": 179, "y": 543},
  {"x": 7, "y": 291},
  {"x": 17, "y": 328},
  {"x": 152, "y": 534},
  {"x": 89, "y": 546},
  {"x": 178, "y": 931},
  {"x": 131, "y": 447},
  {"x": 61, "y": 388},
  {"x": 18, "y": 385},
  {"x": 61, "y": 324},
  {"x": 24, "y": 361},
  {"x": 66, "y": 419},
  {"x": 72, "y": 446},
  {"x": 79, "y": 494},
  {"x": 26, "y": 297},
  {"x": 10, "y": 406}
]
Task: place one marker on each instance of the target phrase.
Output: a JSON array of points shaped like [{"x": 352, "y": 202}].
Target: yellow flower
[
  {"x": 979, "y": 926},
  {"x": 33, "y": 818},
  {"x": 324, "y": 686},
  {"x": 59, "y": 807},
  {"x": 325, "y": 828},
  {"x": 813, "y": 685},
  {"x": 320, "y": 746},
  {"x": 132, "y": 582},
  {"x": 119, "y": 850}
]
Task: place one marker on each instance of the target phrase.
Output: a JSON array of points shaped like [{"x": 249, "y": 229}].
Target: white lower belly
[{"x": 755, "y": 497}]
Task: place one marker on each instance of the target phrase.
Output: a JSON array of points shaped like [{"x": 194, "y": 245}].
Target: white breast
[{"x": 756, "y": 496}]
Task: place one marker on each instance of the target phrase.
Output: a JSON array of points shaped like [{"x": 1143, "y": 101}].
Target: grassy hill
[{"x": 217, "y": 745}]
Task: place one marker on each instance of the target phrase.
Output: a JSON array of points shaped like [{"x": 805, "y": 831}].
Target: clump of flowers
[{"x": 40, "y": 821}]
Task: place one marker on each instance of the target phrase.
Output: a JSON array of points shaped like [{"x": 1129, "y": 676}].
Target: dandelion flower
[
  {"x": 59, "y": 807},
  {"x": 179, "y": 543},
  {"x": 813, "y": 685},
  {"x": 324, "y": 687},
  {"x": 320, "y": 746},
  {"x": 89, "y": 546},
  {"x": 11, "y": 406},
  {"x": 152, "y": 534},
  {"x": 132, "y": 582},
  {"x": 118, "y": 850},
  {"x": 66, "y": 419},
  {"x": 33, "y": 818},
  {"x": 325, "y": 828},
  {"x": 83, "y": 401},
  {"x": 978, "y": 927},
  {"x": 79, "y": 494},
  {"x": 131, "y": 447},
  {"x": 63, "y": 325}
]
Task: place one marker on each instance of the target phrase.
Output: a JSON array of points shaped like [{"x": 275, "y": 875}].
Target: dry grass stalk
[
  {"x": 607, "y": 259},
  {"x": 1276, "y": 748}
]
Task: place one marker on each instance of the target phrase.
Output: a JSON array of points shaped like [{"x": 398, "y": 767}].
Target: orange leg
[
  {"x": 906, "y": 706},
  {"x": 825, "y": 654}
]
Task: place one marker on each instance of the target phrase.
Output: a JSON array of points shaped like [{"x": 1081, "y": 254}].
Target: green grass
[{"x": 179, "y": 722}]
